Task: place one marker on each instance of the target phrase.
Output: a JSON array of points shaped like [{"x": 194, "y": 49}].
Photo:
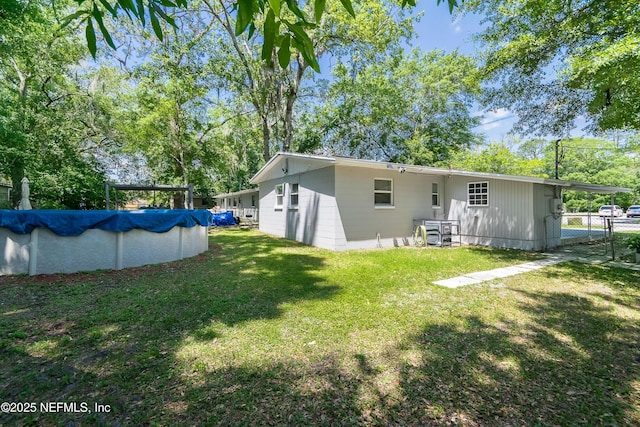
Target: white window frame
[
  {"x": 294, "y": 204},
  {"x": 477, "y": 198},
  {"x": 279, "y": 196},
  {"x": 389, "y": 205},
  {"x": 436, "y": 186}
]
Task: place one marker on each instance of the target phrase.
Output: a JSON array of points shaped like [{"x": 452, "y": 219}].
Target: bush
[
  {"x": 574, "y": 221},
  {"x": 633, "y": 243}
]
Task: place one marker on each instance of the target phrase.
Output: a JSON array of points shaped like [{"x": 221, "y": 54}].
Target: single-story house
[
  {"x": 342, "y": 203},
  {"x": 244, "y": 204}
]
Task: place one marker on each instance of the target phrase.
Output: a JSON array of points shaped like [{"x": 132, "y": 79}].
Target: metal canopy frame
[{"x": 136, "y": 187}]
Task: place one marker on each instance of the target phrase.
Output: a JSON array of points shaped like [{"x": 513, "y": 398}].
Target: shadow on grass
[
  {"x": 506, "y": 255},
  {"x": 626, "y": 283},
  {"x": 562, "y": 360},
  {"x": 111, "y": 337},
  {"x": 557, "y": 358}
]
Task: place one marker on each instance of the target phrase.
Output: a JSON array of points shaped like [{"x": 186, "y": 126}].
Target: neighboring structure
[
  {"x": 5, "y": 194},
  {"x": 244, "y": 204},
  {"x": 202, "y": 202},
  {"x": 343, "y": 203}
]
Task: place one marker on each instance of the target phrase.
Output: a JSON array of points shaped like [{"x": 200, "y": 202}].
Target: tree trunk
[
  {"x": 266, "y": 139},
  {"x": 291, "y": 96},
  {"x": 17, "y": 173},
  {"x": 178, "y": 200},
  {"x": 288, "y": 122}
]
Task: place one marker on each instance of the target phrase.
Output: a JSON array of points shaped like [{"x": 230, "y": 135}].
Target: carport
[
  {"x": 153, "y": 188},
  {"x": 589, "y": 232}
]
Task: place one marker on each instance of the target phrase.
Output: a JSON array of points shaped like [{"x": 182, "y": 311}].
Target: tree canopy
[
  {"x": 413, "y": 108},
  {"x": 553, "y": 61},
  {"x": 204, "y": 92},
  {"x": 50, "y": 116},
  {"x": 284, "y": 25}
]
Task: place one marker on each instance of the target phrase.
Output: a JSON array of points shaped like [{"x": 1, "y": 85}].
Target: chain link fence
[{"x": 604, "y": 235}]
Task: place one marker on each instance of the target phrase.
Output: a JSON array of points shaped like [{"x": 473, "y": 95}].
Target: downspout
[{"x": 557, "y": 194}]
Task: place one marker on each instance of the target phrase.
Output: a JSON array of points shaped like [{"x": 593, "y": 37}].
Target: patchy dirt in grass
[
  {"x": 269, "y": 332},
  {"x": 111, "y": 277}
]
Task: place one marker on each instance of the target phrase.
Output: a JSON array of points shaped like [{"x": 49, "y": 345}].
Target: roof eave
[
  {"x": 236, "y": 193},
  {"x": 271, "y": 164},
  {"x": 349, "y": 161}
]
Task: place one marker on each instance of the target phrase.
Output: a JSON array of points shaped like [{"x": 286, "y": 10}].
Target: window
[
  {"x": 279, "y": 195},
  {"x": 235, "y": 202},
  {"x": 478, "y": 193},
  {"x": 435, "y": 195},
  {"x": 383, "y": 192},
  {"x": 293, "y": 196}
]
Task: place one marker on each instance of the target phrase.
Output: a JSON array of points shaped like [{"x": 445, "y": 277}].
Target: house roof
[
  {"x": 236, "y": 193},
  {"x": 278, "y": 166}
]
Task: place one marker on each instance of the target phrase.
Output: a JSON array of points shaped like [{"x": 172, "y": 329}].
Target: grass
[{"x": 263, "y": 331}]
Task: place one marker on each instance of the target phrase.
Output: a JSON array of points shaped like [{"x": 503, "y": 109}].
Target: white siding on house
[
  {"x": 246, "y": 207},
  {"x": 362, "y": 220},
  {"x": 507, "y": 221},
  {"x": 548, "y": 228},
  {"x": 242, "y": 200},
  {"x": 314, "y": 220},
  {"x": 337, "y": 210}
]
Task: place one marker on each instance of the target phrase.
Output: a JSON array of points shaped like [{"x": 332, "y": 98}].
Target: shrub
[{"x": 633, "y": 242}]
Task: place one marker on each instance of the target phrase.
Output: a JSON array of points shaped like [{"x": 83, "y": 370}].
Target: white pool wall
[{"x": 43, "y": 252}]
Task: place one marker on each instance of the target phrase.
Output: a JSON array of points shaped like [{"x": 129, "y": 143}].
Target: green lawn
[{"x": 263, "y": 331}]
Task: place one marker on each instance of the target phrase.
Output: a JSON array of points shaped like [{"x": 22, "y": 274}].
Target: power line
[{"x": 495, "y": 121}]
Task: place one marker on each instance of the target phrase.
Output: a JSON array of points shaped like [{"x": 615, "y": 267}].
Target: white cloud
[
  {"x": 495, "y": 119},
  {"x": 456, "y": 25}
]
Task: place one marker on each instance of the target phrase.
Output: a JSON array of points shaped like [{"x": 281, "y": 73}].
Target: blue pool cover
[
  {"x": 223, "y": 218},
  {"x": 74, "y": 223}
]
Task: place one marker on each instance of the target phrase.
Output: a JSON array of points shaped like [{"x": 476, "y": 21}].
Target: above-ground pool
[{"x": 45, "y": 241}]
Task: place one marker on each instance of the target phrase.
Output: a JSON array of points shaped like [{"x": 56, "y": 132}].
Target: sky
[{"x": 438, "y": 29}]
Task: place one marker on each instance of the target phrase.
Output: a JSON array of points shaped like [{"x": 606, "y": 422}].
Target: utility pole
[{"x": 557, "y": 156}]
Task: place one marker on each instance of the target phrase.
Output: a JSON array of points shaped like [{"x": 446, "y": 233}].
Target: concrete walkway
[{"x": 556, "y": 258}]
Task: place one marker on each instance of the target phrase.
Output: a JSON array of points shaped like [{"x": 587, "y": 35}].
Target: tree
[
  {"x": 236, "y": 151},
  {"x": 164, "y": 114},
  {"x": 413, "y": 109},
  {"x": 590, "y": 160},
  {"x": 552, "y": 61},
  {"x": 47, "y": 121},
  {"x": 498, "y": 158},
  {"x": 285, "y": 25},
  {"x": 243, "y": 78}
]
